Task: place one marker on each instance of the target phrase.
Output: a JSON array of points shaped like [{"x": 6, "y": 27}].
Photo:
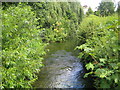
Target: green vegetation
[
  {"x": 58, "y": 20},
  {"x": 100, "y": 51},
  {"x": 28, "y": 27},
  {"x": 90, "y": 11},
  {"x": 106, "y": 8},
  {"x": 22, "y": 48}
]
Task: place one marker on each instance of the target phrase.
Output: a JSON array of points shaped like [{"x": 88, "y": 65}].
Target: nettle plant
[
  {"x": 101, "y": 53},
  {"x": 22, "y": 48}
]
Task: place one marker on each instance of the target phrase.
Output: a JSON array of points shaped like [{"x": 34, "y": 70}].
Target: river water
[{"x": 62, "y": 68}]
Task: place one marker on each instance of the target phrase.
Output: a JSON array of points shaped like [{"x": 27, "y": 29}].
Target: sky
[{"x": 93, "y": 3}]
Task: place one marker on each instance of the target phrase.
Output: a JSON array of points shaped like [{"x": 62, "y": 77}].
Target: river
[{"x": 63, "y": 69}]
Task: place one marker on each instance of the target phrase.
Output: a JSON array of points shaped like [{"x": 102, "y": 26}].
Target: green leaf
[
  {"x": 114, "y": 65},
  {"x": 100, "y": 73},
  {"x": 86, "y": 49},
  {"x": 81, "y": 55},
  {"x": 89, "y": 66},
  {"x": 102, "y": 60},
  {"x": 86, "y": 75}
]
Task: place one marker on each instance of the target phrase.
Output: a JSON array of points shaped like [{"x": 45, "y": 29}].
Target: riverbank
[{"x": 100, "y": 50}]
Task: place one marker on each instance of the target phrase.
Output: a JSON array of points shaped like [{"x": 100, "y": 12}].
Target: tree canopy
[
  {"x": 90, "y": 11},
  {"x": 106, "y": 8}
]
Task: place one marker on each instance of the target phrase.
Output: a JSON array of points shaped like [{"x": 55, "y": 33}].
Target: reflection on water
[{"x": 62, "y": 69}]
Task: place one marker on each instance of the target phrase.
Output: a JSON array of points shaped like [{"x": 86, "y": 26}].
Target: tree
[
  {"x": 90, "y": 11},
  {"x": 106, "y": 8},
  {"x": 97, "y": 13},
  {"x": 118, "y": 9}
]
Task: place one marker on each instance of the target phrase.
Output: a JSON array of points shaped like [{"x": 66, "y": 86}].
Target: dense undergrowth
[
  {"x": 28, "y": 27},
  {"x": 100, "y": 50},
  {"x": 59, "y": 20},
  {"x": 22, "y": 48}
]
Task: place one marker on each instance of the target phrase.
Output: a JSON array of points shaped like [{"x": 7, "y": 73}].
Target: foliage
[
  {"x": 58, "y": 20},
  {"x": 22, "y": 48},
  {"x": 6, "y": 5},
  {"x": 25, "y": 27},
  {"x": 106, "y": 8},
  {"x": 97, "y": 13},
  {"x": 88, "y": 26},
  {"x": 100, "y": 52},
  {"x": 118, "y": 8},
  {"x": 89, "y": 11},
  {"x": 0, "y": 48}
]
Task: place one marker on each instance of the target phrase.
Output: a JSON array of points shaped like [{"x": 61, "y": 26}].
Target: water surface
[{"x": 62, "y": 68}]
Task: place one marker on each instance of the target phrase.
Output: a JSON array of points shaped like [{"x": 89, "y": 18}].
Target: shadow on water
[{"x": 62, "y": 68}]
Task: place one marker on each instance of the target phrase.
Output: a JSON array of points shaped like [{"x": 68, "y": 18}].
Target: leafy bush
[
  {"x": 22, "y": 47},
  {"x": 58, "y": 20},
  {"x": 106, "y": 8},
  {"x": 56, "y": 32},
  {"x": 89, "y": 25},
  {"x": 101, "y": 53}
]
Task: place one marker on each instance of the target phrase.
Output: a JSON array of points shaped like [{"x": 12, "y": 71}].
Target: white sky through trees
[{"x": 93, "y": 3}]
